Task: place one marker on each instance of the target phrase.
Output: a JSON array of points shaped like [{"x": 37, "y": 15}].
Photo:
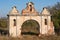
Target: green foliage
[
  {"x": 56, "y": 19},
  {"x": 55, "y": 12},
  {"x": 3, "y": 23}
]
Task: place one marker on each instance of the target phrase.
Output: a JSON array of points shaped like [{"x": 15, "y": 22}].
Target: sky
[{"x": 6, "y": 5}]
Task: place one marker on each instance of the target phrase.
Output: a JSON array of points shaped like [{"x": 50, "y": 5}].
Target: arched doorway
[{"x": 30, "y": 27}]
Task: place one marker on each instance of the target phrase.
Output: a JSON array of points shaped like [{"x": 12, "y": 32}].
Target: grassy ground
[{"x": 29, "y": 37}]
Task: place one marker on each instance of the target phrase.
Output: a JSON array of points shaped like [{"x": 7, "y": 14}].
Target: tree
[
  {"x": 3, "y": 22},
  {"x": 55, "y": 12}
]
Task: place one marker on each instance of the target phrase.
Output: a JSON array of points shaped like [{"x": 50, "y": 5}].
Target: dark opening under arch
[{"x": 30, "y": 27}]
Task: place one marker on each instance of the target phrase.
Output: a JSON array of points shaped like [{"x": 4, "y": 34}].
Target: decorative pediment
[{"x": 29, "y": 10}]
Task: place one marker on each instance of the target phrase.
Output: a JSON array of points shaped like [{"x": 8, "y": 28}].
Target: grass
[{"x": 30, "y": 37}]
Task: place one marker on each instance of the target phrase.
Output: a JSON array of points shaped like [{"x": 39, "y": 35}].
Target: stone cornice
[{"x": 29, "y": 15}]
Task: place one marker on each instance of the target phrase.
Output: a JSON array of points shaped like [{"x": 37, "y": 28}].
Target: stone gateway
[{"x": 16, "y": 20}]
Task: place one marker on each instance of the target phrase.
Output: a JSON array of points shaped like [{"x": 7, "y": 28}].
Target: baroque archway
[{"x": 30, "y": 27}]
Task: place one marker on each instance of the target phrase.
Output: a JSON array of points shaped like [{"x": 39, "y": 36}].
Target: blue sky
[{"x": 6, "y": 5}]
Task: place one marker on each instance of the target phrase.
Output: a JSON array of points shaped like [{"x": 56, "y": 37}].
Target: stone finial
[
  {"x": 44, "y": 8},
  {"x": 13, "y": 7},
  {"x": 30, "y": 3},
  {"x": 14, "y": 10}
]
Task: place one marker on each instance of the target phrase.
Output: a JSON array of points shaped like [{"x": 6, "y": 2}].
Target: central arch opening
[{"x": 30, "y": 27}]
